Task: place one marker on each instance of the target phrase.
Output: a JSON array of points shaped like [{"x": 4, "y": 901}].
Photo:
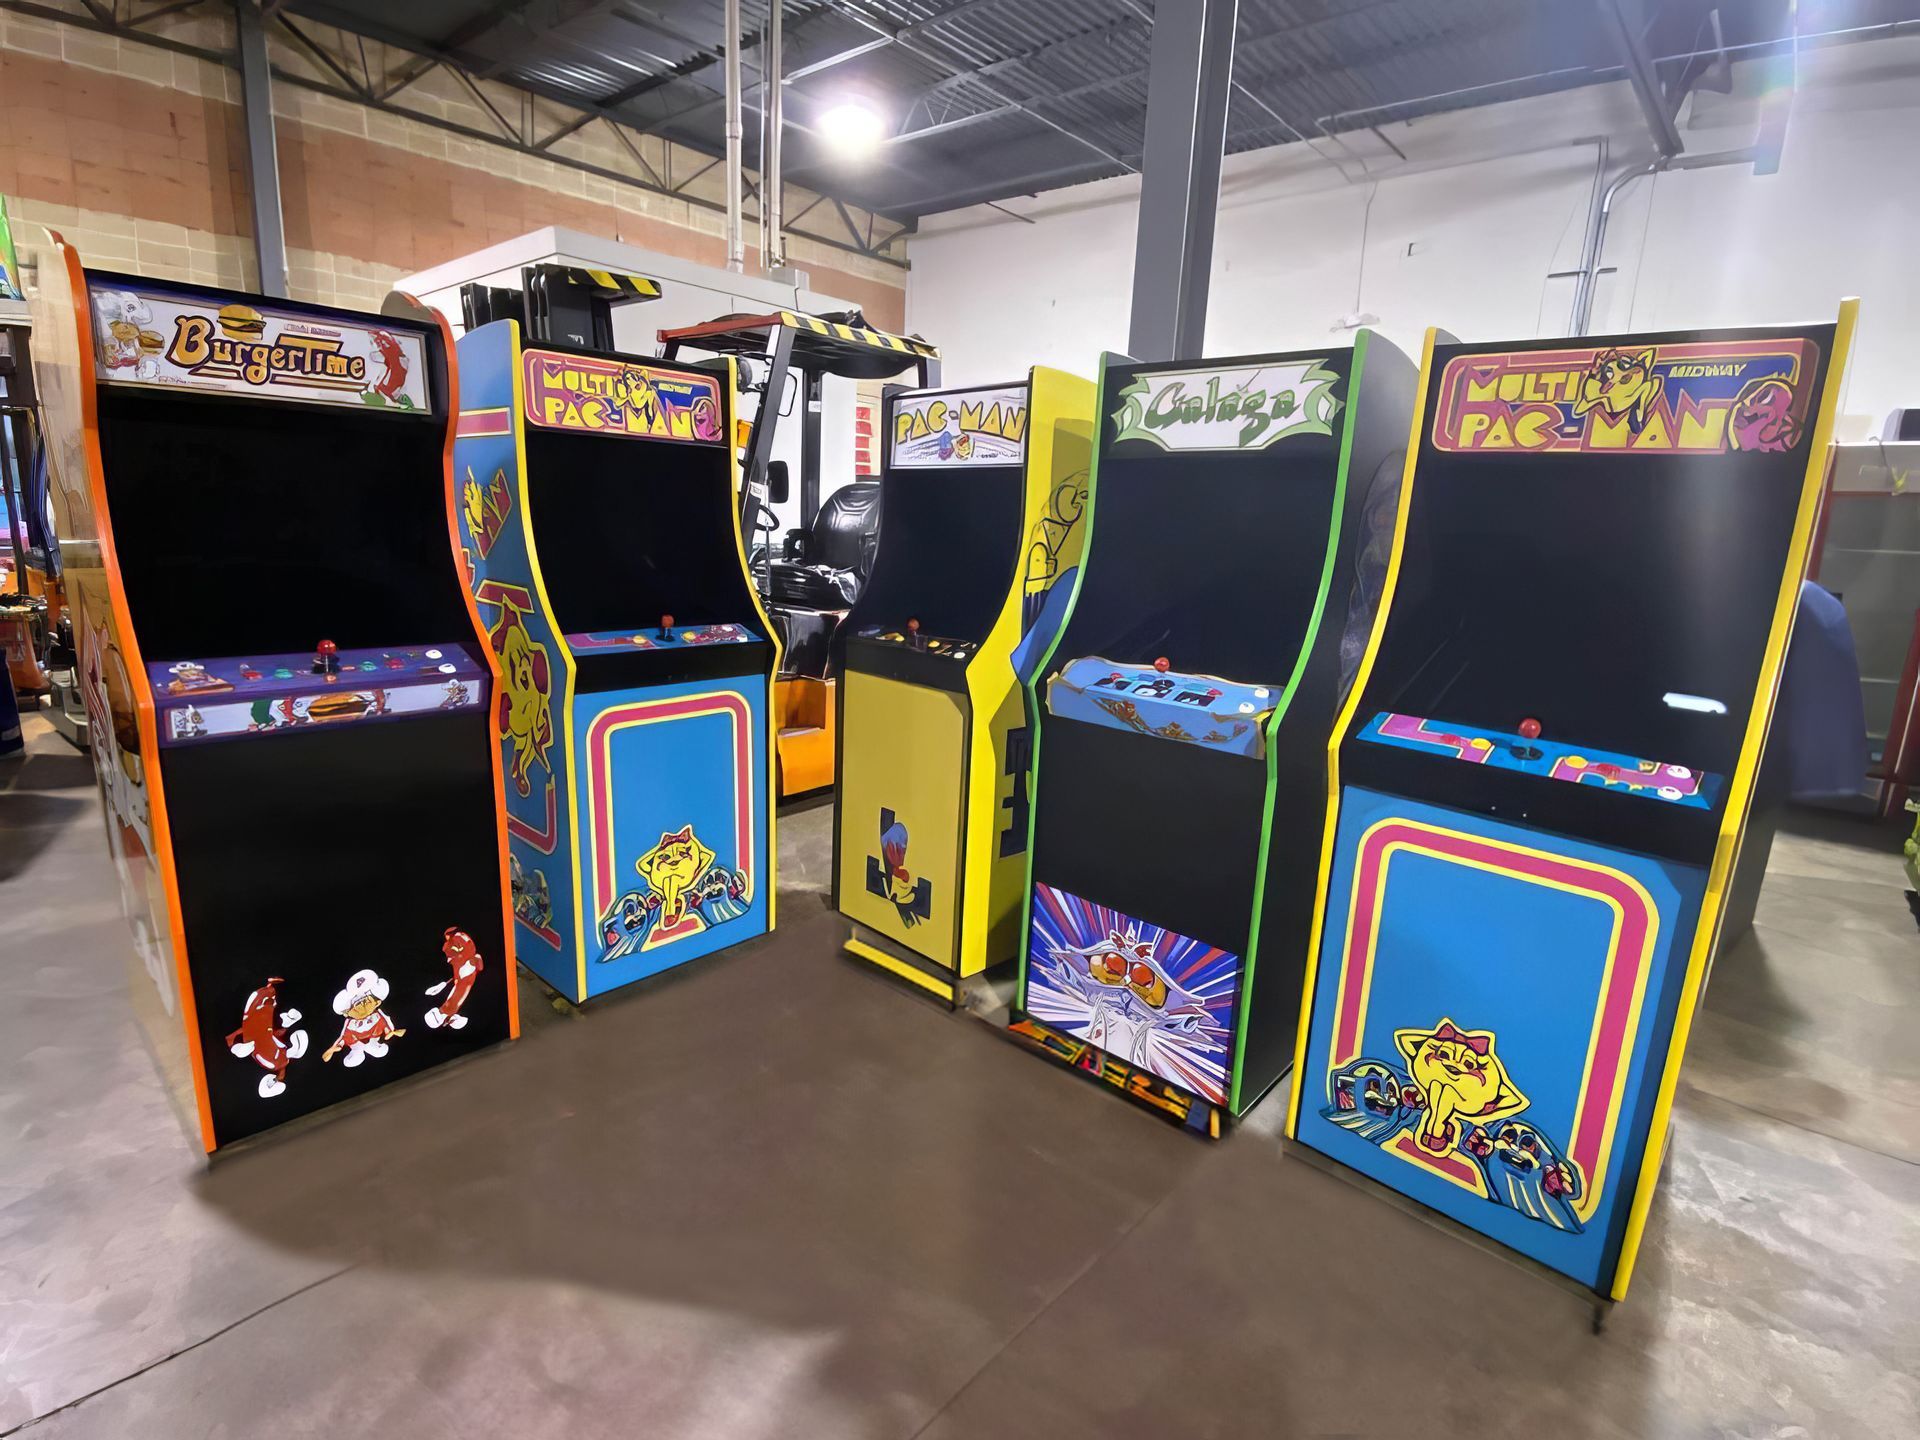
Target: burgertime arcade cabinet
[
  {"x": 1541, "y": 776},
  {"x": 982, "y": 494},
  {"x": 602, "y": 541},
  {"x": 289, "y": 692},
  {"x": 1182, "y": 713}
]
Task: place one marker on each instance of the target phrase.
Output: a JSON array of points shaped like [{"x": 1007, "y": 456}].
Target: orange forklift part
[{"x": 803, "y": 711}]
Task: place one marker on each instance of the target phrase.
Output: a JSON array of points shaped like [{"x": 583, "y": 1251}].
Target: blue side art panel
[
  {"x": 1491, "y": 1009},
  {"x": 529, "y": 705},
  {"x": 673, "y": 812}
]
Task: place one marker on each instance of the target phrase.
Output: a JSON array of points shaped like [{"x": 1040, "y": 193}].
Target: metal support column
[
  {"x": 263, "y": 162},
  {"x": 1188, "y": 83}
]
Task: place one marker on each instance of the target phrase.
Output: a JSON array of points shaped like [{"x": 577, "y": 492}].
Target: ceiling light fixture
[{"x": 852, "y": 128}]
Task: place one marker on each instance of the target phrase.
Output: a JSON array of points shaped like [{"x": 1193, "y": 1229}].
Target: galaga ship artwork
[{"x": 1145, "y": 995}]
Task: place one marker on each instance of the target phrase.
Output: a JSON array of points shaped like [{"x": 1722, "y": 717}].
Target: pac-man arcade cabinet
[
  {"x": 289, "y": 692},
  {"x": 601, "y": 538},
  {"x": 983, "y": 493},
  {"x": 1540, "y": 779},
  {"x": 1182, "y": 715}
]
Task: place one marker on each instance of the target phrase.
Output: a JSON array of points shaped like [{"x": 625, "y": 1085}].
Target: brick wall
[{"x": 138, "y": 155}]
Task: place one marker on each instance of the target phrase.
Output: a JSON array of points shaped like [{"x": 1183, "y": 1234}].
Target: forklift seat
[{"x": 825, "y": 565}]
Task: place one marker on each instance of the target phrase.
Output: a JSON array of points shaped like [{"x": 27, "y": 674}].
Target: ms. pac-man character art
[
  {"x": 601, "y": 540},
  {"x": 290, "y": 695},
  {"x": 1238, "y": 521},
  {"x": 1541, "y": 775},
  {"x": 982, "y": 515}
]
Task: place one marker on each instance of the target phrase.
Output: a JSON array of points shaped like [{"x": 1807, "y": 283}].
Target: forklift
[{"x": 814, "y": 578}]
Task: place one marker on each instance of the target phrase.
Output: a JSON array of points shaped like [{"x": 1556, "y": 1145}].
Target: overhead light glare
[{"x": 852, "y": 128}]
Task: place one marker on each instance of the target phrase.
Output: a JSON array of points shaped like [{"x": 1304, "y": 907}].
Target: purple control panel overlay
[
  {"x": 659, "y": 637},
  {"x": 202, "y": 700}
]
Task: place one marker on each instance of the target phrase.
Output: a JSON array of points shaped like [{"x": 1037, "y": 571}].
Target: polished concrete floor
[{"x": 775, "y": 1197}]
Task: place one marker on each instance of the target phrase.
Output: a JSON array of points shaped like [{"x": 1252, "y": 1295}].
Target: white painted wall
[{"x": 1476, "y": 230}]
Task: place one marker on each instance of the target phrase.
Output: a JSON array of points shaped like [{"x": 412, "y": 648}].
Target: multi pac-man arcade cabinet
[
  {"x": 1540, "y": 778},
  {"x": 1182, "y": 716},
  {"x": 289, "y": 693},
  {"x": 982, "y": 496},
  {"x": 601, "y": 538}
]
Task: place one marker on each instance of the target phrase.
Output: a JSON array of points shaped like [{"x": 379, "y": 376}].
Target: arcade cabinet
[
  {"x": 807, "y": 590},
  {"x": 600, "y": 536},
  {"x": 1541, "y": 777},
  {"x": 1182, "y": 714},
  {"x": 290, "y": 697},
  {"x": 982, "y": 497}
]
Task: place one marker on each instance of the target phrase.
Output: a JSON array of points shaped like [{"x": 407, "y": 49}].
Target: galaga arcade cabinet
[
  {"x": 982, "y": 497},
  {"x": 804, "y": 595},
  {"x": 602, "y": 542},
  {"x": 1541, "y": 777},
  {"x": 1183, "y": 712},
  {"x": 289, "y": 694}
]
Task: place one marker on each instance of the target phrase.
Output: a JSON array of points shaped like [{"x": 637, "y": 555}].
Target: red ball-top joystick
[
  {"x": 666, "y": 624},
  {"x": 1162, "y": 664},
  {"x": 913, "y": 632},
  {"x": 326, "y": 658},
  {"x": 1530, "y": 728}
]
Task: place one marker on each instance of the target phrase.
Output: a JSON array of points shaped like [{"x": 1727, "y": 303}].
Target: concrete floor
[{"x": 775, "y": 1197}]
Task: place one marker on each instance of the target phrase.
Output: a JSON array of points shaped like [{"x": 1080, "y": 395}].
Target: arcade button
[
  {"x": 247, "y": 672},
  {"x": 394, "y": 662},
  {"x": 281, "y": 672},
  {"x": 326, "y": 658},
  {"x": 368, "y": 665},
  {"x": 433, "y": 654}
]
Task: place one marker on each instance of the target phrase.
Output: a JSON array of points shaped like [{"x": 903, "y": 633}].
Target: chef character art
[
  {"x": 271, "y": 1044},
  {"x": 367, "y": 1028},
  {"x": 463, "y": 958}
]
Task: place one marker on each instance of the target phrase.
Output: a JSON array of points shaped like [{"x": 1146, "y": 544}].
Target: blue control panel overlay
[
  {"x": 1579, "y": 765},
  {"x": 1195, "y": 709},
  {"x": 659, "y": 637}
]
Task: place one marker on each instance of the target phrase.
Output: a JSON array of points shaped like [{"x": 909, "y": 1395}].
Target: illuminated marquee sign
[
  {"x": 597, "y": 396},
  {"x": 1702, "y": 398},
  {"x": 960, "y": 427},
  {"x": 1246, "y": 408},
  {"x": 152, "y": 337}
]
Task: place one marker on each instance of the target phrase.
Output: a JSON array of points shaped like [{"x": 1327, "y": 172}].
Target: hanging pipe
[{"x": 736, "y": 240}]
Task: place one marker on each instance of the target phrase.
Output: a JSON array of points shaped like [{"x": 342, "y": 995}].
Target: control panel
[
  {"x": 1525, "y": 750},
  {"x": 1170, "y": 704},
  {"x": 218, "y": 699},
  {"x": 664, "y": 636}
]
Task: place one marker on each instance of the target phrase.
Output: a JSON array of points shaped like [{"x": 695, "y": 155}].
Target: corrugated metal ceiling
[{"x": 990, "y": 98}]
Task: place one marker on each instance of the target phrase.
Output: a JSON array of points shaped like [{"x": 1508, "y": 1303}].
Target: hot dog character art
[
  {"x": 270, "y": 1042},
  {"x": 365, "y": 1027},
  {"x": 463, "y": 957},
  {"x": 393, "y": 374}
]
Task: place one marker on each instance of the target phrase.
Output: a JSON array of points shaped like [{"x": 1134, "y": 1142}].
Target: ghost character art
[
  {"x": 1763, "y": 418},
  {"x": 686, "y": 893},
  {"x": 1450, "y": 1096}
]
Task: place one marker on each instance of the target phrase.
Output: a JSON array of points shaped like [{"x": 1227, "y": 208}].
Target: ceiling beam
[{"x": 1628, "y": 31}]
